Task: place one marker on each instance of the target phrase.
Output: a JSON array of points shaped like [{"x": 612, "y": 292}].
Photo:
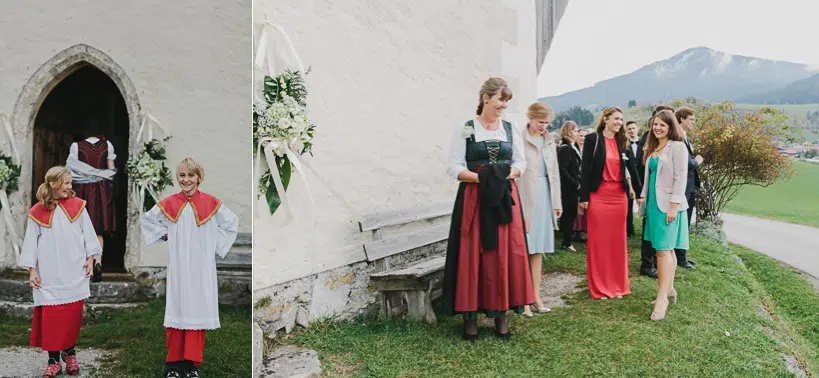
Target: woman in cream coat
[
  {"x": 539, "y": 192},
  {"x": 663, "y": 202}
]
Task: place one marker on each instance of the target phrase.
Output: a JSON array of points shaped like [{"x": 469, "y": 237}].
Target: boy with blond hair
[{"x": 197, "y": 227}]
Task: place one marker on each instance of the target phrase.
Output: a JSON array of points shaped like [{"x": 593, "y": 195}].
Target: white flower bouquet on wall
[{"x": 280, "y": 119}]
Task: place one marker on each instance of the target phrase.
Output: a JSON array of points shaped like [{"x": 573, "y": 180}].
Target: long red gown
[{"x": 606, "y": 257}]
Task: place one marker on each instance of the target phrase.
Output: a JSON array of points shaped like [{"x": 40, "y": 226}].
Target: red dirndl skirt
[
  {"x": 99, "y": 199},
  {"x": 486, "y": 280},
  {"x": 56, "y": 328}
]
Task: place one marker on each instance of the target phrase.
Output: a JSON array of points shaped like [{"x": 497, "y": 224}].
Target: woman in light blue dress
[
  {"x": 539, "y": 193},
  {"x": 541, "y": 236}
]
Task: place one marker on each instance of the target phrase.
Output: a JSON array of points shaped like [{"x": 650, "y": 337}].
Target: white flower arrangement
[
  {"x": 5, "y": 174},
  {"x": 148, "y": 172},
  {"x": 9, "y": 175},
  {"x": 285, "y": 120},
  {"x": 280, "y": 119},
  {"x": 467, "y": 131}
]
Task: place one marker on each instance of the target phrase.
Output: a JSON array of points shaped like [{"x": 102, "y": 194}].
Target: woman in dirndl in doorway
[
  {"x": 91, "y": 162},
  {"x": 487, "y": 264}
]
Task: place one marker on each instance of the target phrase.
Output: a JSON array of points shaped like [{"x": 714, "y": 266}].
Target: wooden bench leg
[
  {"x": 416, "y": 308},
  {"x": 419, "y": 306}
]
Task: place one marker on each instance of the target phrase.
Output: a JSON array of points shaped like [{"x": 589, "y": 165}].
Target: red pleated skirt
[
  {"x": 56, "y": 328},
  {"x": 492, "y": 279},
  {"x": 606, "y": 256},
  {"x": 185, "y": 344}
]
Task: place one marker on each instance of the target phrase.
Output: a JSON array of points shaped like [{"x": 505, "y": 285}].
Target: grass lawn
[
  {"x": 718, "y": 328},
  {"x": 138, "y": 338},
  {"x": 793, "y": 201}
]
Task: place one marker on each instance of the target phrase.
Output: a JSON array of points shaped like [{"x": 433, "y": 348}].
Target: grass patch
[
  {"x": 791, "y": 296},
  {"x": 138, "y": 337},
  {"x": 597, "y": 338},
  {"x": 794, "y": 200}
]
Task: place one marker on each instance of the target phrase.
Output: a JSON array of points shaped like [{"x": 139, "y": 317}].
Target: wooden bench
[{"x": 408, "y": 289}]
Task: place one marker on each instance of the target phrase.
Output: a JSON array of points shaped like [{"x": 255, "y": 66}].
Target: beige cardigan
[
  {"x": 528, "y": 181},
  {"x": 672, "y": 175}
]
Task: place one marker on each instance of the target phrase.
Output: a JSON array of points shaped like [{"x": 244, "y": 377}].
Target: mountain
[
  {"x": 700, "y": 72},
  {"x": 805, "y": 91}
]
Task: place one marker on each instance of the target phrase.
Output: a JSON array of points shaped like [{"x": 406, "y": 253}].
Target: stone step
[
  {"x": 101, "y": 292},
  {"x": 26, "y": 309}
]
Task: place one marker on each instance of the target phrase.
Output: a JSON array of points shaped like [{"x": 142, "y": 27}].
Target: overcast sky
[{"x": 601, "y": 39}]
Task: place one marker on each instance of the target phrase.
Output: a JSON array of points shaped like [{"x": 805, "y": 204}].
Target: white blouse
[
  {"x": 457, "y": 155},
  {"x": 74, "y": 150},
  {"x": 192, "y": 290},
  {"x": 58, "y": 253}
]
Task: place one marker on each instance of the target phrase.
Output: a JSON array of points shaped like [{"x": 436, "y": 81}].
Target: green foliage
[
  {"x": 632, "y": 103},
  {"x": 739, "y": 149},
  {"x": 581, "y": 116}
]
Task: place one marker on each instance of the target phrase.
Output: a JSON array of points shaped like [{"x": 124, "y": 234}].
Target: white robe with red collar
[
  {"x": 57, "y": 243},
  {"x": 198, "y": 229}
]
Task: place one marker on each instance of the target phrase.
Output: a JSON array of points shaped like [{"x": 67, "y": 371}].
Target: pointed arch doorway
[{"x": 62, "y": 118}]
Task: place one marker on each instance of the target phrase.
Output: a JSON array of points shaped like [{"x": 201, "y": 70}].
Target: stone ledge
[
  {"x": 26, "y": 309},
  {"x": 101, "y": 292}
]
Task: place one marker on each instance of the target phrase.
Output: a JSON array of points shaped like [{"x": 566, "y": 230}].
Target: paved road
[{"x": 793, "y": 244}]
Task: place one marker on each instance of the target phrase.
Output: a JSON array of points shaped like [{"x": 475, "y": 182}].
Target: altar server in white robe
[
  {"x": 197, "y": 227},
  {"x": 59, "y": 250}
]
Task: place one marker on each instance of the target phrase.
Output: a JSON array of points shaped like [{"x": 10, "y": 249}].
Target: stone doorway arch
[{"x": 78, "y": 59}]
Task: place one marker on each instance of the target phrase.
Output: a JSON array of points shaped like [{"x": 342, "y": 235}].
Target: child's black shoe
[
  {"x": 192, "y": 372},
  {"x": 172, "y": 372}
]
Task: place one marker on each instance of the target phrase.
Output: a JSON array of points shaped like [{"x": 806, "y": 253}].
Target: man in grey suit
[{"x": 685, "y": 117}]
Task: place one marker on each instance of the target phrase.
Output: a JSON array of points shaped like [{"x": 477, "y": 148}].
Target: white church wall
[
  {"x": 390, "y": 84},
  {"x": 189, "y": 64}
]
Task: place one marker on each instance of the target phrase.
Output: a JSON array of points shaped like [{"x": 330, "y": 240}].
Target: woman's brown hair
[
  {"x": 620, "y": 136},
  {"x": 566, "y": 130},
  {"x": 674, "y": 132},
  {"x": 54, "y": 175},
  {"x": 490, "y": 88}
]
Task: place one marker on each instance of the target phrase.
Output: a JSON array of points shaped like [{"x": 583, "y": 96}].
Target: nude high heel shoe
[{"x": 671, "y": 295}]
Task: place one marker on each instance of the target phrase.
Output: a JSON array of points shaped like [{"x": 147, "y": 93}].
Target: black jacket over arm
[
  {"x": 593, "y": 163},
  {"x": 495, "y": 192}
]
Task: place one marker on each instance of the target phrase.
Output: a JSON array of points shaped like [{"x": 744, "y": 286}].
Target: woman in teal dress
[{"x": 663, "y": 202}]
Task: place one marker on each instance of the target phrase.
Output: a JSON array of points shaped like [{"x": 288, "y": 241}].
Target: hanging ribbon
[
  {"x": 262, "y": 53},
  {"x": 16, "y": 241},
  {"x": 140, "y": 187},
  {"x": 271, "y": 146},
  {"x": 147, "y": 116}
]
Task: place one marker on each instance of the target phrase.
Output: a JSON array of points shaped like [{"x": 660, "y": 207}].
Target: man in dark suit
[
  {"x": 685, "y": 117},
  {"x": 648, "y": 256},
  {"x": 634, "y": 171}
]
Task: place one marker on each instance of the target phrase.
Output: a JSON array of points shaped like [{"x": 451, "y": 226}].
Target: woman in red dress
[
  {"x": 604, "y": 192},
  {"x": 487, "y": 261},
  {"x": 97, "y": 153}
]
